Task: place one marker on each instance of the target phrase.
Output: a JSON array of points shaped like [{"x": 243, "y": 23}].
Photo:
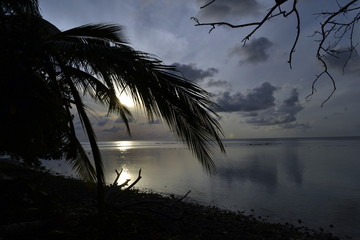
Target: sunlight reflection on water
[
  {"x": 124, "y": 145},
  {"x": 124, "y": 176}
]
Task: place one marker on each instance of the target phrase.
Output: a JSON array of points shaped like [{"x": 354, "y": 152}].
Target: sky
[{"x": 259, "y": 95}]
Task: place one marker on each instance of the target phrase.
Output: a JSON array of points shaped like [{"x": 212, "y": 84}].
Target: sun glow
[
  {"x": 126, "y": 100},
  {"x": 124, "y": 176},
  {"x": 124, "y": 145}
]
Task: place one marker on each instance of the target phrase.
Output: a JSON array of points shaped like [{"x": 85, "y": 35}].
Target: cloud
[
  {"x": 295, "y": 125},
  {"x": 341, "y": 62},
  {"x": 284, "y": 115},
  {"x": 259, "y": 98},
  {"x": 253, "y": 52},
  {"x": 194, "y": 74},
  {"x": 224, "y": 9},
  {"x": 154, "y": 122},
  {"x": 250, "y": 114},
  {"x": 102, "y": 122},
  {"x": 112, "y": 129},
  {"x": 121, "y": 120},
  {"x": 217, "y": 83}
]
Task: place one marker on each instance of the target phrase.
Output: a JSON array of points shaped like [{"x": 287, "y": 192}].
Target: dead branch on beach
[
  {"x": 114, "y": 191},
  {"x": 136, "y": 181},
  {"x": 117, "y": 199}
]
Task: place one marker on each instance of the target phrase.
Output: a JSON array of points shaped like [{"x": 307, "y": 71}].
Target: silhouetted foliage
[
  {"x": 47, "y": 71},
  {"x": 34, "y": 120}
]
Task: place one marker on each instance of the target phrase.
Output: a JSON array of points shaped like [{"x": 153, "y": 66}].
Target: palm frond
[
  {"x": 189, "y": 112},
  {"x": 89, "y": 130},
  {"x": 94, "y": 33},
  {"x": 185, "y": 107},
  {"x": 100, "y": 93},
  {"x": 80, "y": 162}
]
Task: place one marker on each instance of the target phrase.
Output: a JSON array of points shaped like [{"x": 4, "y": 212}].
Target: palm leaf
[
  {"x": 184, "y": 106},
  {"x": 91, "y": 136},
  {"x": 81, "y": 163},
  {"x": 100, "y": 33},
  {"x": 100, "y": 93}
]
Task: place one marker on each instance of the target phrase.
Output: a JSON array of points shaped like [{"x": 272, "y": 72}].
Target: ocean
[{"x": 313, "y": 182}]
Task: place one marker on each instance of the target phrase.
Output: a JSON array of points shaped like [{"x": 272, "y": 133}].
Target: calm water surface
[{"x": 315, "y": 180}]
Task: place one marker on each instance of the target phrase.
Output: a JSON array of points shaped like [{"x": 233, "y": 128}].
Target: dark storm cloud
[
  {"x": 194, "y": 74},
  {"x": 254, "y": 52},
  {"x": 284, "y": 115},
  {"x": 221, "y": 9},
  {"x": 259, "y": 98},
  {"x": 293, "y": 100}
]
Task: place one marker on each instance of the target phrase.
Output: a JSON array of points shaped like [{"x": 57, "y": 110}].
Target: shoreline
[{"x": 65, "y": 208}]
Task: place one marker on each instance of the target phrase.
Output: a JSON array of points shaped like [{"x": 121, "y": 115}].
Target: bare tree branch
[
  {"x": 334, "y": 29},
  {"x": 331, "y": 27},
  {"x": 271, "y": 14},
  {"x": 207, "y": 4},
  {"x": 297, "y": 34}
]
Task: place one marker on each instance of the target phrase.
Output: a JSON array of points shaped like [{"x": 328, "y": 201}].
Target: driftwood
[
  {"x": 112, "y": 195},
  {"x": 124, "y": 184},
  {"x": 118, "y": 200},
  {"x": 136, "y": 181},
  {"x": 115, "y": 183},
  {"x": 117, "y": 176}
]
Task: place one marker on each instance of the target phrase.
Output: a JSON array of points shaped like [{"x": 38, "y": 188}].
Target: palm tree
[
  {"x": 94, "y": 60},
  {"x": 35, "y": 118}
]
